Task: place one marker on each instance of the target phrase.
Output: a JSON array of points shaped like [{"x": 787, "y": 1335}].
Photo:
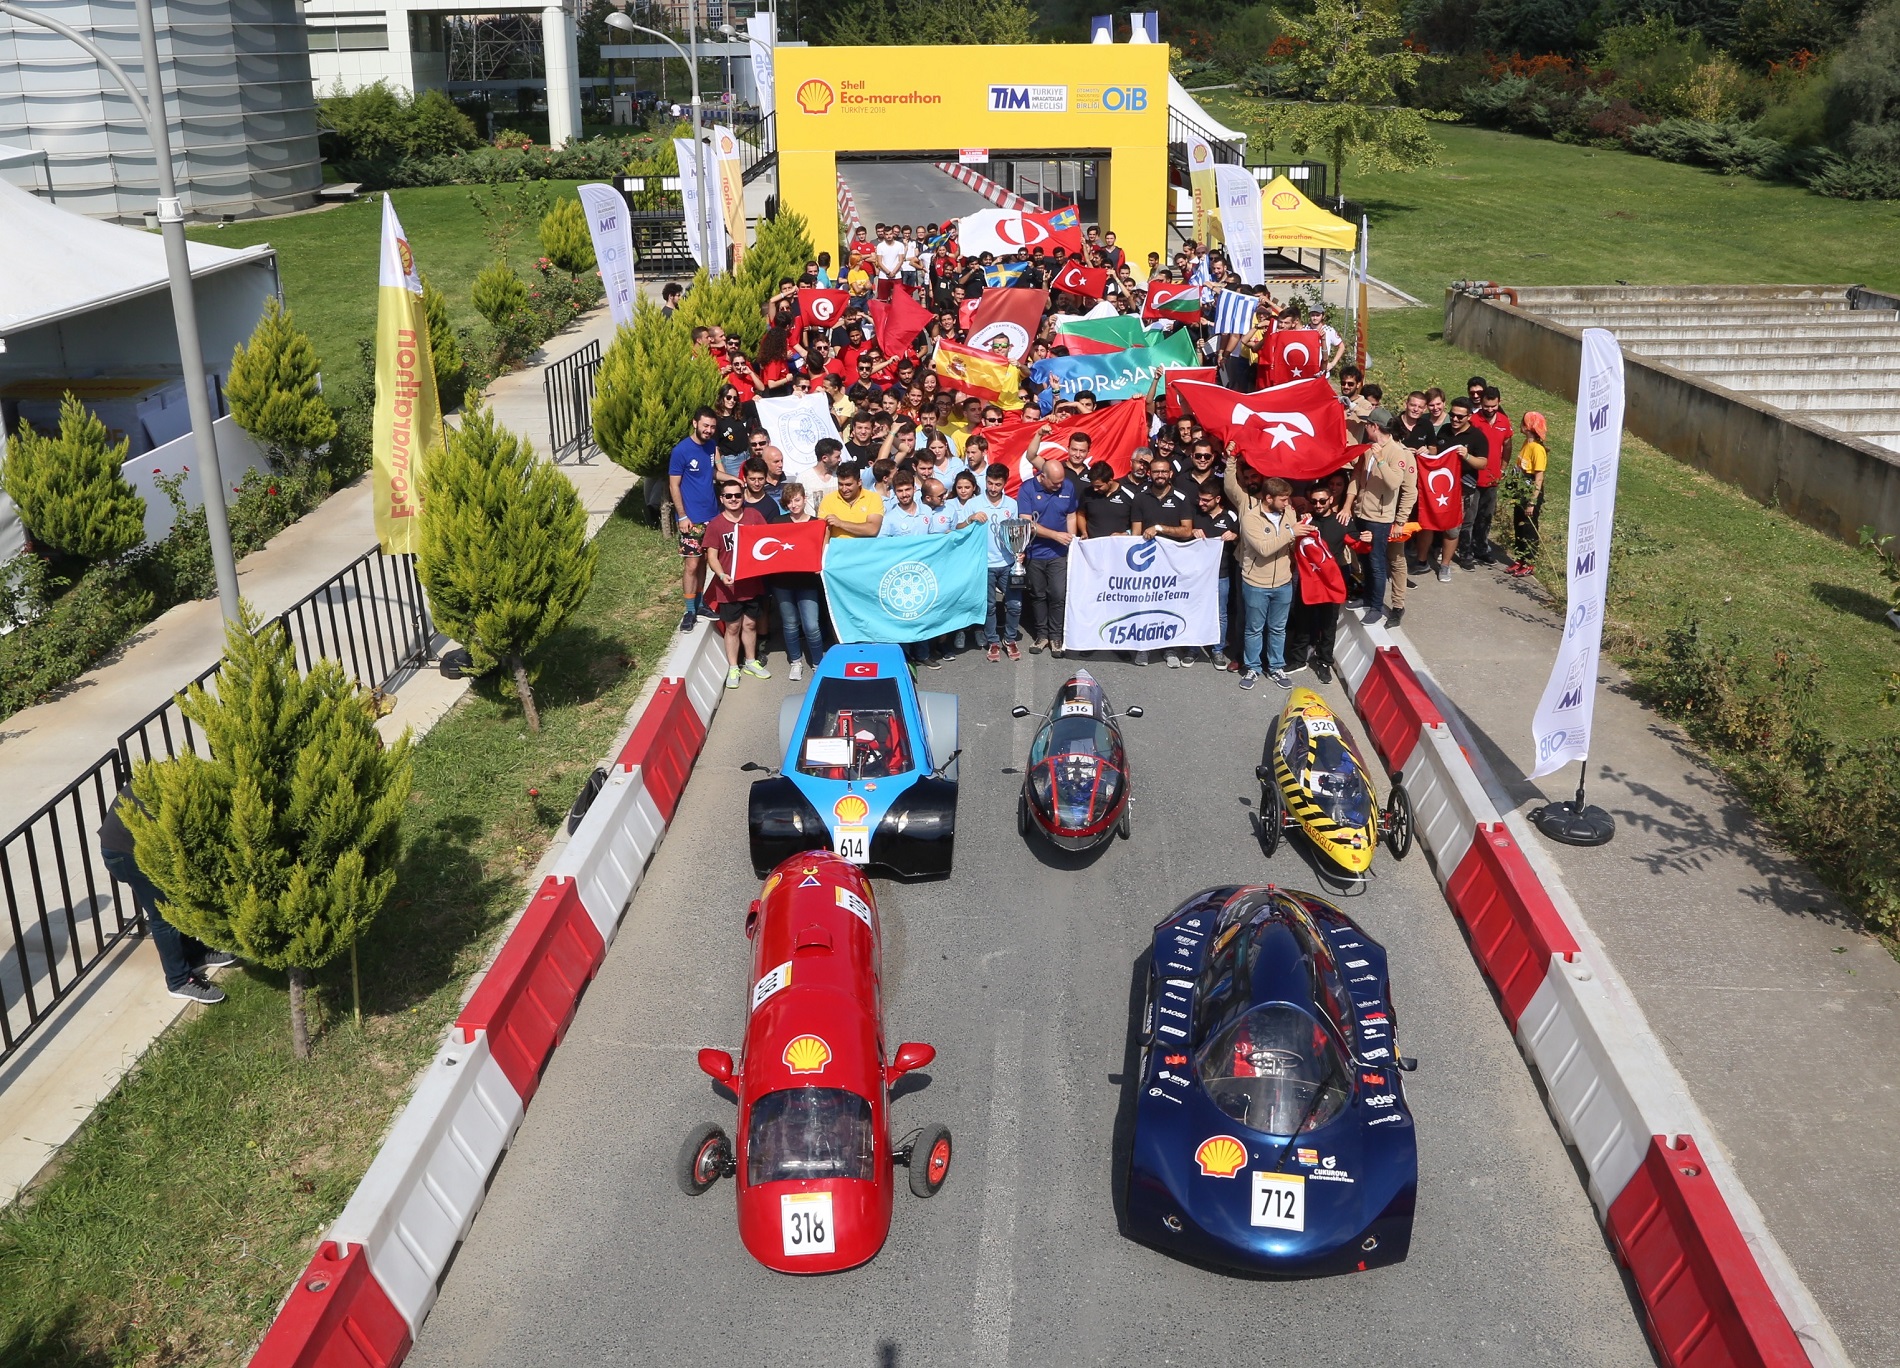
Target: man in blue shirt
[
  {"x": 908, "y": 516},
  {"x": 1050, "y": 502},
  {"x": 690, "y": 477}
]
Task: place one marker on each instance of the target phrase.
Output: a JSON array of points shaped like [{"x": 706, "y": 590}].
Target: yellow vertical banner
[
  {"x": 1201, "y": 187},
  {"x": 731, "y": 190},
  {"x": 408, "y": 410}
]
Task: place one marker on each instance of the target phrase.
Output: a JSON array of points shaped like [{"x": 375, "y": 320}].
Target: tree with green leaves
[
  {"x": 69, "y": 489},
  {"x": 505, "y": 556},
  {"x": 1337, "y": 91},
  {"x": 274, "y": 390},
  {"x": 649, "y": 384},
  {"x": 728, "y": 302},
  {"x": 282, "y": 846},
  {"x": 781, "y": 251},
  {"x": 498, "y": 293},
  {"x": 565, "y": 240},
  {"x": 445, "y": 344}
]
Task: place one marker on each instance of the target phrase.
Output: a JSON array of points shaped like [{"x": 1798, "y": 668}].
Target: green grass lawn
[{"x": 194, "y": 1195}]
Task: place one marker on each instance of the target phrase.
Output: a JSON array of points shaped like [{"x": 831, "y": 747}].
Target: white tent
[{"x": 1189, "y": 108}]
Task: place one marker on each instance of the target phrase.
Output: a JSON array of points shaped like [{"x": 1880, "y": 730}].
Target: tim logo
[
  {"x": 1142, "y": 555},
  {"x": 1586, "y": 565},
  {"x": 1572, "y": 699},
  {"x": 1009, "y": 97},
  {"x": 1029, "y": 99},
  {"x": 1600, "y": 418}
]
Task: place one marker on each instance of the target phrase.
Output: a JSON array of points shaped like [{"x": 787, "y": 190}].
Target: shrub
[
  {"x": 727, "y": 302},
  {"x": 445, "y": 343},
  {"x": 1728, "y": 147},
  {"x": 69, "y": 490},
  {"x": 374, "y": 128},
  {"x": 650, "y": 382},
  {"x": 564, "y": 237},
  {"x": 273, "y": 388},
  {"x": 1863, "y": 90},
  {"x": 75, "y": 632},
  {"x": 498, "y": 293}
]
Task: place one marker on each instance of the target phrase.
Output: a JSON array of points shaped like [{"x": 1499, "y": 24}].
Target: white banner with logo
[
  {"x": 1132, "y": 594},
  {"x": 1561, "y": 724},
  {"x": 1238, "y": 194},
  {"x": 613, "y": 248},
  {"x": 761, "y": 28},
  {"x": 1201, "y": 185},
  {"x": 796, "y": 424},
  {"x": 702, "y": 210}
]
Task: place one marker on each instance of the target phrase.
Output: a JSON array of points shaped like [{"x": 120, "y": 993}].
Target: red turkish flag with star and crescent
[
  {"x": 1076, "y": 279},
  {"x": 1441, "y": 499},
  {"x": 1294, "y": 354},
  {"x": 898, "y": 320},
  {"x": 780, "y": 548},
  {"x": 821, "y": 308},
  {"x": 1295, "y": 431},
  {"x": 1114, "y": 430},
  {"x": 1209, "y": 375},
  {"x": 1321, "y": 579}
]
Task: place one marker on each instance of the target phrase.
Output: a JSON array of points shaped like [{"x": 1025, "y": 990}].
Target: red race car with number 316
[{"x": 813, "y": 1156}]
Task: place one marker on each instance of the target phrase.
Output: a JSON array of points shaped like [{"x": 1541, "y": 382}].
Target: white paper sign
[
  {"x": 1132, "y": 594},
  {"x": 796, "y": 424},
  {"x": 613, "y": 248}
]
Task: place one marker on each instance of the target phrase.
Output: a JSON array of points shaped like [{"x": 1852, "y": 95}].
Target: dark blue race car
[
  {"x": 1272, "y": 1133},
  {"x": 868, "y": 769}
]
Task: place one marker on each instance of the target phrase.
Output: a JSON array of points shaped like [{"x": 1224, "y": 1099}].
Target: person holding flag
[
  {"x": 1314, "y": 623},
  {"x": 737, "y": 600}
]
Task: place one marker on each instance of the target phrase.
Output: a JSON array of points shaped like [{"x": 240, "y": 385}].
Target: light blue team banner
[
  {"x": 902, "y": 589},
  {"x": 1110, "y": 375}
]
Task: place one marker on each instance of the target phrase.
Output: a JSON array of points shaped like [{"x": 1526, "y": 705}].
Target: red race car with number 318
[{"x": 813, "y": 1157}]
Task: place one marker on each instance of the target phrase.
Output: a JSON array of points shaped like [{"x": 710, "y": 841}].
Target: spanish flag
[
  {"x": 408, "y": 414},
  {"x": 982, "y": 373}
]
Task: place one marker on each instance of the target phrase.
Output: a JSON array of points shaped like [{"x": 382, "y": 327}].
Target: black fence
[
  {"x": 568, "y": 385},
  {"x": 64, "y": 911}
]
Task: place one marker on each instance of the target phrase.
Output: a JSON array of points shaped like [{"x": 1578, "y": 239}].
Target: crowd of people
[{"x": 914, "y": 460}]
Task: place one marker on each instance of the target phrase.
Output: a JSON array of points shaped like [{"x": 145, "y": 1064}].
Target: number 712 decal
[{"x": 1279, "y": 1201}]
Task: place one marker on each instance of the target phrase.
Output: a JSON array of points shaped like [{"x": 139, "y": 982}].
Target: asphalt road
[
  {"x": 908, "y": 192},
  {"x": 1020, "y": 969}
]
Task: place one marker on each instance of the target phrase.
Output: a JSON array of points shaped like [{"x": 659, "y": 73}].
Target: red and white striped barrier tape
[
  {"x": 847, "y": 206},
  {"x": 984, "y": 186}
]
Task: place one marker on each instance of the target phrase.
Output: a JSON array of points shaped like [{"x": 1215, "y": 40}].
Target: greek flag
[
  {"x": 907, "y": 588},
  {"x": 1200, "y": 275},
  {"x": 1233, "y": 311}
]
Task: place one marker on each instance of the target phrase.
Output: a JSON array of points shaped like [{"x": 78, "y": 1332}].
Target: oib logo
[
  {"x": 1221, "y": 1156},
  {"x": 815, "y": 96},
  {"x": 807, "y": 1054},
  {"x": 850, "y": 809}
]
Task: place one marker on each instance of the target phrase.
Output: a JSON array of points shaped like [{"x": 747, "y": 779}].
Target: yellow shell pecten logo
[
  {"x": 807, "y": 1054},
  {"x": 815, "y": 96},
  {"x": 407, "y": 257},
  {"x": 850, "y": 809},
  {"x": 1221, "y": 1156}
]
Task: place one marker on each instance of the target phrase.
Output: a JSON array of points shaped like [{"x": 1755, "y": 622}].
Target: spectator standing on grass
[
  {"x": 690, "y": 472},
  {"x": 1532, "y": 460},
  {"x": 1264, "y": 508},
  {"x": 737, "y": 601},
  {"x": 184, "y": 960},
  {"x": 1050, "y": 502},
  {"x": 800, "y": 597},
  {"x": 1480, "y": 486}
]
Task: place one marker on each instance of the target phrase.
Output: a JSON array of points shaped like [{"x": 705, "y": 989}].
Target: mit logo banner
[{"x": 1132, "y": 594}]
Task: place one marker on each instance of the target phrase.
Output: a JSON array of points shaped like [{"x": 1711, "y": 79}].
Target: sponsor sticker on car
[
  {"x": 774, "y": 979},
  {"x": 855, "y": 905},
  {"x": 1279, "y": 1201}
]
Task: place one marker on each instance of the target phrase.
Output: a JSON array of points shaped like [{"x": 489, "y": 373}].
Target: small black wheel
[
  {"x": 1398, "y": 823},
  {"x": 704, "y": 1159},
  {"x": 929, "y": 1161},
  {"x": 1122, "y": 828},
  {"x": 1272, "y": 818},
  {"x": 1022, "y": 814}
]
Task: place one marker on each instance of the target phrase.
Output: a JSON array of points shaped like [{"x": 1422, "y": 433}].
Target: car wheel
[
  {"x": 1022, "y": 815},
  {"x": 1122, "y": 828},
  {"x": 704, "y": 1158},
  {"x": 929, "y": 1161},
  {"x": 1398, "y": 823},
  {"x": 1272, "y": 818}
]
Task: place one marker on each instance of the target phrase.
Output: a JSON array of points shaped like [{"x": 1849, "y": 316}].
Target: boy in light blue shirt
[{"x": 993, "y": 506}]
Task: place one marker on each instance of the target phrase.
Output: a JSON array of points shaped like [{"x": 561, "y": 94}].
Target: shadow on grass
[
  {"x": 1853, "y": 602},
  {"x": 50, "y": 1343}
]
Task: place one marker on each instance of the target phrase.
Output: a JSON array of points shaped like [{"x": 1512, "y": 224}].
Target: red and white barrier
[
  {"x": 1716, "y": 1288},
  {"x": 364, "y": 1296},
  {"x": 984, "y": 186},
  {"x": 847, "y": 207}
]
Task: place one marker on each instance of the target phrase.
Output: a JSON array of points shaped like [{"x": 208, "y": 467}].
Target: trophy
[{"x": 1017, "y": 534}]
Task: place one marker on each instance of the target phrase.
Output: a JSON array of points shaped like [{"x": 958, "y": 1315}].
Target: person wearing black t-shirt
[
  {"x": 1215, "y": 521},
  {"x": 1414, "y": 427},
  {"x": 1108, "y": 509},
  {"x": 1312, "y": 627},
  {"x": 1166, "y": 510},
  {"x": 729, "y": 432},
  {"x": 863, "y": 446}
]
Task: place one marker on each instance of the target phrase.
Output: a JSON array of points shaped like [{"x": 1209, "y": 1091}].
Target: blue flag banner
[
  {"x": 1110, "y": 375},
  {"x": 1004, "y": 274},
  {"x": 902, "y": 589}
]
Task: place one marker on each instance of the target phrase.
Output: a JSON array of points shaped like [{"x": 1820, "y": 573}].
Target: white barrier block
[
  {"x": 1353, "y": 649},
  {"x": 1447, "y": 801},
  {"x": 421, "y": 1193},
  {"x": 608, "y": 853},
  {"x": 702, "y": 665}
]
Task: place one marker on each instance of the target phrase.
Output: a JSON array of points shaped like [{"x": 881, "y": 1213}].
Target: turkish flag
[
  {"x": 1114, "y": 431},
  {"x": 1321, "y": 579},
  {"x": 1295, "y": 431},
  {"x": 1077, "y": 279},
  {"x": 1209, "y": 375},
  {"x": 898, "y": 320},
  {"x": 1061, "y": 228},
  {"x": 1014, "y": 314},
  {"x": 1441, "y": 499},
  {"x": 966, "y": 311},
  {"x": 860, "y": 669},
  {"x": 1182, "y": 303},
  {"x": 821, "y": 308},
  {"x": 780, "y": 548},
  {"x": 1295, "y": 354}
]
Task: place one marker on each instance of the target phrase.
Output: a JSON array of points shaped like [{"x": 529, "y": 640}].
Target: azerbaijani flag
[
  {"x": 408, "y": 416},
  {"x": 982, "y": 373}
]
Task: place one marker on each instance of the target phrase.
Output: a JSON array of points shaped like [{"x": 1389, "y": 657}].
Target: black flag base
[{"x": 1574, "y": 823}]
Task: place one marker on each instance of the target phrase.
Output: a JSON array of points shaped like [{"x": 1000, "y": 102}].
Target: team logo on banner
[
  {"x": 1132, "y": 594},
  {"x": 907, "y": 590}
]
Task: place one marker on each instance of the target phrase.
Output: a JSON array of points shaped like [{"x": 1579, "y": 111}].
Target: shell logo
[
  {"x": 407, "y": 257},
  {"x": 815, "y": 96},
  {"x": 807, "y": 1054},
  {"x": 1221, "y": 1156},
  {"x": 850, "y": 809},
  {"x": 1286, "y": 201},
  {"x": 1200, "y": 152}
]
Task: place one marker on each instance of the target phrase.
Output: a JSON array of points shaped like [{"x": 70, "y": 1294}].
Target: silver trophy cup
[{"x": 1017, "y": 534}]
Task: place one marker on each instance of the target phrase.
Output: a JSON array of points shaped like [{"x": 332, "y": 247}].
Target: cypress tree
[
  {"x": 505, "y": 556},
  {"x": 445, "y": 345},
  {"x": 499, "y": 294},
  {"x": 648, "y": 385},
  {"x": 282, "y": 846},
  {"x": 728, "y": 302},
  {"x": 68, "y": 488},
  {"x": 273, "y": 387},
  {"x": 565, "y": 240}
]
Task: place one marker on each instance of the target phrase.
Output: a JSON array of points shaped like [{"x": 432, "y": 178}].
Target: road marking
[{"x": 996, "y": 1246}]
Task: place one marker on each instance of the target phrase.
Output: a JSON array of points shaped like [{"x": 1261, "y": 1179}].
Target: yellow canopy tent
[{"x": 1290, "y": 219}]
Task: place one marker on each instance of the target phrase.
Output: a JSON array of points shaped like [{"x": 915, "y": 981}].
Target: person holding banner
[
  {"x": 737, "y": 601},
  {"x": 1050, "y": 502}
]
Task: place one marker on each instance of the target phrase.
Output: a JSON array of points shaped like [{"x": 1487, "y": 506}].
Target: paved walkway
[
  {"x": 78, "y": 1055},
  {"x": 1783, "y": 1019}
]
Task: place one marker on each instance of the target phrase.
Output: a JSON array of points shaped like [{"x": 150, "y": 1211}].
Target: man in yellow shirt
[
  {"x": 851, "y": 510},
  {"x": 1532, "y": 459}
]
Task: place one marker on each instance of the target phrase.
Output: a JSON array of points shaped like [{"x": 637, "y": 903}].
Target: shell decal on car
[
  {"x": 850, "y": 809},
  {"x": 808, "y": 1054},
  {"x": 1221, "y": 1156}
]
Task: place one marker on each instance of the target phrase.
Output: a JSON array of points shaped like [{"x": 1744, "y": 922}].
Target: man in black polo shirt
[
  {"x": 1215, "y": 521},
  {"x": 1108, "y": 510},
  {"x": 862, "y": 447},
  {"x": 1165, "y": 510}
]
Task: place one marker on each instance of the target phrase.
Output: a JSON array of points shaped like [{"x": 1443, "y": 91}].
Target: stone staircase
[{"x": 1802, "y": 348}]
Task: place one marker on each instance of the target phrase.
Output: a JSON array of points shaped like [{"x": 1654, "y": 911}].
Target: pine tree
[
  {"x": 728, "y": 302},
  {"x": 649, "y": 383},
  {"x": 68, "y": 488},
  {"x": 782, "y": 249},
  {"x": 505, "y": 556},
  {"x": 499, "y": 294},
  {"x": 274, "y": 388},
  {"x": 445, "y": 345},
  {"x": 282, "y": 846},
  {"x": 565, "y": 240}
]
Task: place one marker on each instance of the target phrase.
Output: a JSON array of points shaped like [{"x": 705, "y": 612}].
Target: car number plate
[
  {"x": 805, "y": 1218},
  {"x": 1279, "y": 1200},
  {"x": 854, "y": 844}
]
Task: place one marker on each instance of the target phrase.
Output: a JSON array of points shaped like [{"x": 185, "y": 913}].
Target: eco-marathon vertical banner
[
  {"x": 1561, "y": 724},
  {"x": 731, "y": 189},
  {"x": 408, "y": 412},
  {"x": 701, "y": 206},
  {"x": 1201, "y": 186},
  {"x": 607, "y": 223}
]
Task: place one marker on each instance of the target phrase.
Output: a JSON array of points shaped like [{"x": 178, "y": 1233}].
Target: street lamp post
[
  {"x": 171, "y": 219},
  {"x": 771, "y": 48},
  {"x": 618, "y": 19}
]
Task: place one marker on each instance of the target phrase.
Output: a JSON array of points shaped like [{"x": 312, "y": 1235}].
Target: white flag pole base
[{"x": 1573, "y": 823}]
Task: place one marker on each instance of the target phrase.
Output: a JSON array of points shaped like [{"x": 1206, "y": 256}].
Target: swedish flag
[{"x": 1004, "y": 274}]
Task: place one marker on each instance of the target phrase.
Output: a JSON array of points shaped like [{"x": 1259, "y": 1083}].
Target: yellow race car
[{"x": 1313, "y": 779}]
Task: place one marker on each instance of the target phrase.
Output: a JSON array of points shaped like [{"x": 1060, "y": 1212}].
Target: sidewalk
[
  {"x": 1784, "y": 1021},
  {"x": 78, "y": 1054}
]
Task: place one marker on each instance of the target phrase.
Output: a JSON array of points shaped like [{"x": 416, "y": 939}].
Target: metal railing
[
  {"x": 1183, "y": 130},
  {"x": 568, "y": 385},
  {"x": 64, "y": 910},
  {"x": 758, "y": 148}
]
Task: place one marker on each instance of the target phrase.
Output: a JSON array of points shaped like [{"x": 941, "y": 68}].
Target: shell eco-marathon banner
[
  {"x": 408, "y": 414},
  {"x": 1132, "y": 594}
]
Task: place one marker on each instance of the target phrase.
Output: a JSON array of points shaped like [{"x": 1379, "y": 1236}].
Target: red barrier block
[
  {"x": 527, "y": 999},
  {"x": 1514, "y": 926},
  {"x": 1394, "y": 705},
  {"x": 338, "y": 1316},
  {"x": 665, "y": 743},
  {"x": 1704, "y": 1296}
]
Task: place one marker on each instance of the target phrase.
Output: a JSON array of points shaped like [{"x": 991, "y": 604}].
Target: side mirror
[
  {"x": 911, "y": 1054},
  {"x": 1406, "y": 1065},
  {"x": 1019, "y": 711},
  {"x": 1135, "y": 711},
  {"x": 750, "y": 766},
  {"x": 1263, "y": 774},
  {"x": 717, "y": 1065}
]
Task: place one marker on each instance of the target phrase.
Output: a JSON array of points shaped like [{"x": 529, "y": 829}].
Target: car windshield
[
  {"x": 1074, "y": 766},
  {"x": 1269, "y": 1067},
  {"x": 856, "y": 731},
  {"x": 809, "y": 1133},
  {"x": 1078, "y": 735},
  {"x": 1333, "y": 779}
]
